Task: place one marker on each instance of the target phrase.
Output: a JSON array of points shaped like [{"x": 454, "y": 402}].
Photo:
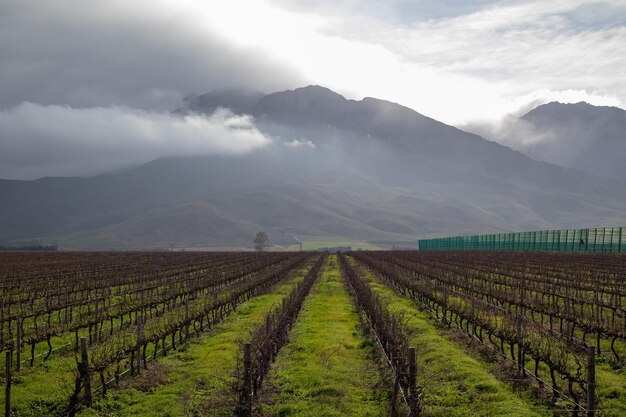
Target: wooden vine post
[
  {"x": 18, "y": 321},
  {"x": 84, "y": 372},
  {"x": 520, "y": 348},
  {"x": 139, "y": 336},
  {"x": 444, "y": 318},
  {"x": 1, "y": 322},
  {"x": 568, "y": 319},
  {"x": 7, "y": 385},
  {"x": 394, "y": 397},
  {"x": 473, "y": 316},
  {"x": 244, "y": 408},
  {"x": 591, "y": 381},
  {"x": 396, "y": 383},
  {"x": 413, "y": 400},
  {"x": 186, "y": 317},
  {"x": 520, "y": 330}
]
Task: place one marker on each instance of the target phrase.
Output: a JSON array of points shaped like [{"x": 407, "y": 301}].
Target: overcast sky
[{"x": 134, "y": 61}]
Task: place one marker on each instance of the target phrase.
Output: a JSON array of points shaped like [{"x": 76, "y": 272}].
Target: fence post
[
  {"x": 187, "y": 317},
  {"x": 141, "y": 302},
  {"x": 7, "y": 386},
  {"x": 520, "y": 349},
  {"x": 473, "y": 314},
  {"x": 414, "y": 409},
  {"x": 591, "y": 381},
  {"x": 247, "y": 381},
  {"x": 139, "y": 336},
  {"x": 84, "y": 368},
  {"x": 394, "y": 397},
  {"x": 568, "y": 317},
  {"x": 268, "y": 323},
  {"x": 444, "y": 319},
  {"x": 2, "y": 322},
  {"x": 18, "y": 321}
]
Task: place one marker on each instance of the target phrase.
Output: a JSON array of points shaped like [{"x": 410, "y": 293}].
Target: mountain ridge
[
  {"x": 378, "y": 172},
  {"x": 580, "y": 136}
]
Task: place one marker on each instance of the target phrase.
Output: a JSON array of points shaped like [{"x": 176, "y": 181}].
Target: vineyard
[{"x": 366, "y": 333}]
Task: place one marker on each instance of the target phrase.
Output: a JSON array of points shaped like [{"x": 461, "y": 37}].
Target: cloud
[
  {"x": 463, "y": 64},
  {"x": 143, "y": 54},
  {"x": 454, "y": 62},
  {"x": 478, "y": 62},
  {"x": 64, "y": 141},
  {"x": 512, "y": 131},
  {"x": 300, "y": 143}
]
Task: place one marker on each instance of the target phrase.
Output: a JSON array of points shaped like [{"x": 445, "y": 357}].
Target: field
[{"x": 365, "y": 333}]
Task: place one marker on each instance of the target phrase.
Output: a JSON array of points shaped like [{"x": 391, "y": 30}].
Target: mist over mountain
[
  {"x": 367, "y": 170},
  {"x": 580, "y": 136},
  {"x": 240, "y": 101}
]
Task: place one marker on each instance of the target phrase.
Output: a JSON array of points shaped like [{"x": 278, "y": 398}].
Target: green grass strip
[
  {"x": 194, "y": 380},
  {"x": 326, "y": 368},
  {"x": 455, "y": 383}
]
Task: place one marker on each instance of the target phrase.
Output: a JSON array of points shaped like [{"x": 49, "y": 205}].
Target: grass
[
  {"x": 456, "y": 384},
  {"x": 611, "y": 390},
  {"x": 327, "y": 368},
  {"x": 196, "y": 379},
  {"x": 45, "y": 389}
]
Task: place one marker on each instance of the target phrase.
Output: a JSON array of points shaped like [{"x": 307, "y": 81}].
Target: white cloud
[
  {"x": 475, "y": 62},
  {"x": 482, "y": 62},
  {"x": 59, "y": 140},
  {"x": 471, "y": 66},
  {"x": 520, "y": 134},
  {"x": 300, "y": 143}
]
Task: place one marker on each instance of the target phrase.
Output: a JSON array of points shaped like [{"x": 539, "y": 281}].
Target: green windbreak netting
[{"x": 602, "y": 239}]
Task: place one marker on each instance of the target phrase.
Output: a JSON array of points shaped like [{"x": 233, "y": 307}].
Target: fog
[{"x": 64, "y": 141}]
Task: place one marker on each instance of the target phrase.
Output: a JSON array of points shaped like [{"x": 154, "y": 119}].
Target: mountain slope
[
  {"x": 581, "y": 136},
  {"x": 378, "y": 172}
]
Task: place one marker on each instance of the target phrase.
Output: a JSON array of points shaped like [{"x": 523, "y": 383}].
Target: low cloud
[
  {"x": 513, "y": 131},
  {"x": 510, "y": 131},
  {"x": 57, "y": 140},
  {"x": 300, "y": 143}
]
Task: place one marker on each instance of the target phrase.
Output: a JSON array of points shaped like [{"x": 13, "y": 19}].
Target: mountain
[
  {"x": 581, "y": 136},
  {"x": 376, "y": 172}
]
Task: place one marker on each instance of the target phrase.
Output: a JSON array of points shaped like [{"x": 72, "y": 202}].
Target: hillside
[
  {"x": 580, "y": 136},
  {"x": 378, "y": 172}
]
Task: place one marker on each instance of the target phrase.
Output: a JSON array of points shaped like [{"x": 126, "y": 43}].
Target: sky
[{"x": 106, "y": 74}]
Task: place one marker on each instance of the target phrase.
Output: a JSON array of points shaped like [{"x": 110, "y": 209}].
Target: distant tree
[{"x": 260, "y": 241}]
